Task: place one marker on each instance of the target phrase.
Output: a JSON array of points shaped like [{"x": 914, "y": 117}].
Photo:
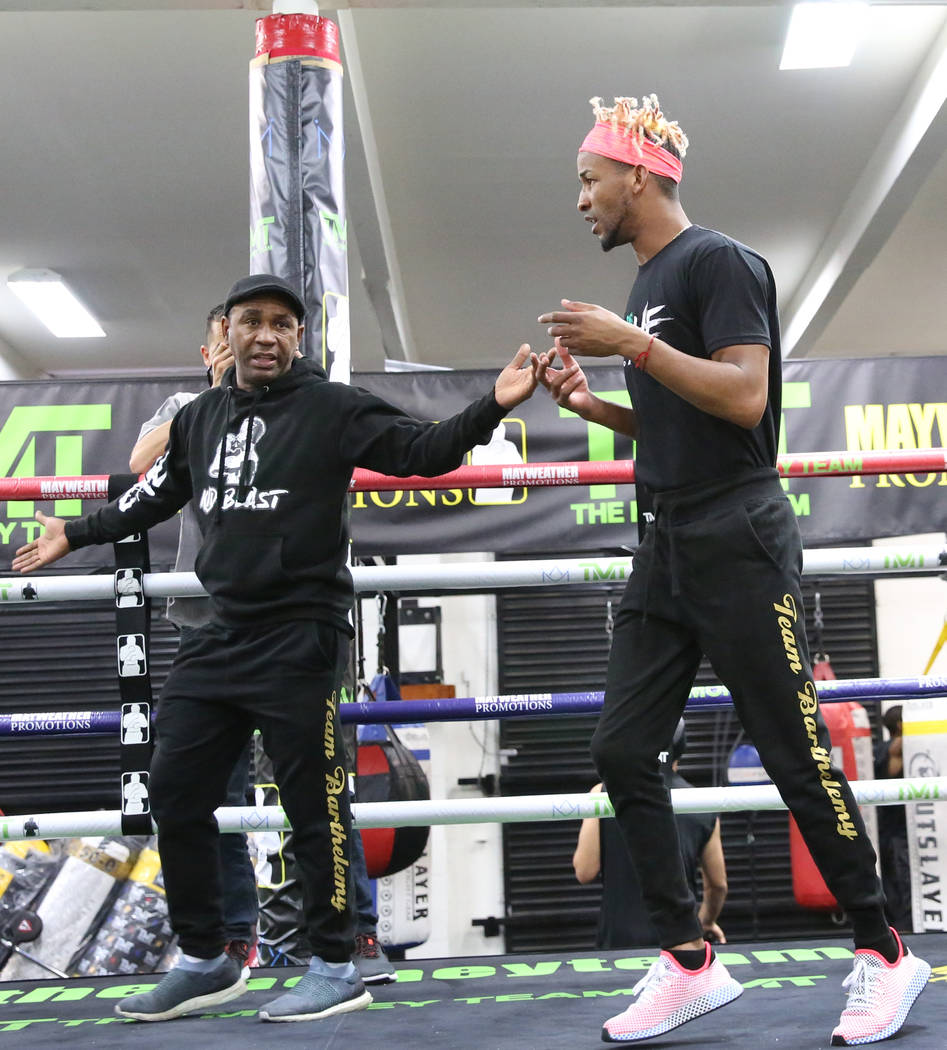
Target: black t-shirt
[
  {"x": 623, "y": 920},
  {"x": 892, "y": 820},
  {"x": 703, "y": 291}
]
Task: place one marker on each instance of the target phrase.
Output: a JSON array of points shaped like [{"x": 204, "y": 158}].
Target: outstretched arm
[
  {"x": 379, "y": 436},
  {"x": 160, "y": 493},
  {"x": 569, "y": 388}
]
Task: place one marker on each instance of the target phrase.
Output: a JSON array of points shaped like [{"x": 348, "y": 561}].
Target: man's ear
[
  {"x": 205, "y": 354},
  {"x": 639, "y": 178}
]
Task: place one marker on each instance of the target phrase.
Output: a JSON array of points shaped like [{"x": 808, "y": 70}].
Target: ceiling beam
[
  {"x": 367, "y": 209},
  {"x": 896, "y": 170}
]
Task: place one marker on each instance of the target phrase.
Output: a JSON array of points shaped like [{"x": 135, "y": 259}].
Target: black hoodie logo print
[
  {"x": 239, "y": 460},
  {"x": 239, "y": 452}
]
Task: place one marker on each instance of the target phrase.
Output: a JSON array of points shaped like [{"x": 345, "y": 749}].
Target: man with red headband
[{"x": 718, "y": 571}]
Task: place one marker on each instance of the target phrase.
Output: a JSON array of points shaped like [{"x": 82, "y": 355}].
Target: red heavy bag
[
  {"x": 387, "y": 771},
  {"x": 850, "y": 731}
]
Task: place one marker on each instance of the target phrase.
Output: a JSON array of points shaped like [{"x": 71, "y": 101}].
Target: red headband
[{"x": 607, "y": 141}]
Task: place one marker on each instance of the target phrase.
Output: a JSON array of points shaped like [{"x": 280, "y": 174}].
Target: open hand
[
  {"x": 44, "y": 550},
  {"x": 515, "y": 383},
  {"x": 587, "y": 329}
]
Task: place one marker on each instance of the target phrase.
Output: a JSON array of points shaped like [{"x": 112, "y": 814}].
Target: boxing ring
[
  {"x": 792, "y": 997},
  {"x": 490, "y": 1001}
]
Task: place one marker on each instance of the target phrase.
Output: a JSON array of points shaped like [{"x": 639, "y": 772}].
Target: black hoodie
[{"x": 272, "y": 510}]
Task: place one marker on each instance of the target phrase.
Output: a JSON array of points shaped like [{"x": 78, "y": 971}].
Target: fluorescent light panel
[
  {"x": 823, "y": 35},
  {"x": 46, "y": 294}
]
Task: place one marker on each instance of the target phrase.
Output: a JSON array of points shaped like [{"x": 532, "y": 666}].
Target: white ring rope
[
  {"x": 513, "y": 809},
  {"x": 474, "y": 576}
]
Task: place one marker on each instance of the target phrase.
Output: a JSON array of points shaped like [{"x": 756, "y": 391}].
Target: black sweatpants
[
  {"x": 284, "y": 679},
  {"x": 719, "y": 573}
]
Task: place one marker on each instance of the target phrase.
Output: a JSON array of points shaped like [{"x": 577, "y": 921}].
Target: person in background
[
  {"x": 892, "y": 826},
  {"x": 600, "y": 850}
]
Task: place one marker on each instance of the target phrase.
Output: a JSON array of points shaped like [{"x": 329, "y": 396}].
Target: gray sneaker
[
  {"x": 181, "y": 991},
  {"x": 317, "y": 996},
  {"x": 371, "y": 962}
]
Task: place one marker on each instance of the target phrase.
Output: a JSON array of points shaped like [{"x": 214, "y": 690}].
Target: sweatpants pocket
[{"x": 772, "y": 525}]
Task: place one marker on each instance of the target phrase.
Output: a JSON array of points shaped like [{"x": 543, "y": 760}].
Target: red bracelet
[{"x": 642, "y": 358}]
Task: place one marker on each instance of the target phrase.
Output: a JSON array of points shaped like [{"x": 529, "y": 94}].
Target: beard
[{"x": 608, "y": 240}]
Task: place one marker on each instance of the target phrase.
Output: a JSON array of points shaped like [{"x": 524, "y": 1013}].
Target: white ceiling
[{"x": 124, "y": 167}]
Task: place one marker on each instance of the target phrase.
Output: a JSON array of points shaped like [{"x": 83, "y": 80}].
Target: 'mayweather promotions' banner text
[{"x": 76, "y": 428}]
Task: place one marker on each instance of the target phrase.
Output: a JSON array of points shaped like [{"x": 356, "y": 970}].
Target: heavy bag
[
  {"x": 386, "y": 771},
  {"x": 850, "y": 733}
]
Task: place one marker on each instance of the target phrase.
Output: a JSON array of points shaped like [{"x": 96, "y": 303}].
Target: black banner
[
  {"x": 833, "y": 405},
  {"x": 66, "y": 428},
  {"x": 75, "y": 428}
]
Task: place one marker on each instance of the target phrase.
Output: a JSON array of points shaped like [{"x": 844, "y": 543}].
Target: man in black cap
[
  {"x": 265, "y": 460},
  {"x": 238, "y": 879}
]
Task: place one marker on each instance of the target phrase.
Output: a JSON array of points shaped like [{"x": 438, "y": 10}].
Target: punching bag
[
  {"x": 850, "y": 733},
  {"x": 387, "y": 771}
]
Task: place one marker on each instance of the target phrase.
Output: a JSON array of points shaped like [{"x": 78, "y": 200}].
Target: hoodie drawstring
[
  {"x": 243, "y": 486},
  {"x": 221, "y": 458}
]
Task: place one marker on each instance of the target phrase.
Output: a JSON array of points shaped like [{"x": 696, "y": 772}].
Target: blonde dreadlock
[{"x": 646, "y": 120}]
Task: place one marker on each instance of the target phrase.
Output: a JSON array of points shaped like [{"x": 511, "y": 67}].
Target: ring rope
[
  {"x": 516, "y": 475},
  {"x": 478, "y": 708},
  {"x": 513, "y": 809},
  {"x": 477, "y": 576}
]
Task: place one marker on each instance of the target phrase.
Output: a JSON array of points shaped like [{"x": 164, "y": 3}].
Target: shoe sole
[
  {"x": 359, "y": 1003},
  {"x": 706, "y": 1004},
  {"x": 915, "y": 986},
  {"x": 199, "y": 1002},
  {"x": 380, "y": 978}
]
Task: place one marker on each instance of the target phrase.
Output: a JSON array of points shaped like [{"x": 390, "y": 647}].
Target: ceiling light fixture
[
  {"x": 823, "y": 35},
  {"x": 48, "y": 296}
]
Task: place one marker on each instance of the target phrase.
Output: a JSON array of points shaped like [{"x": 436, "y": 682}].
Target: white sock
[{"x": 197, "y": 965}]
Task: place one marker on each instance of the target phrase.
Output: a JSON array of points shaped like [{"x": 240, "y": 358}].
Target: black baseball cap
[{"x": 263, "y": 284}]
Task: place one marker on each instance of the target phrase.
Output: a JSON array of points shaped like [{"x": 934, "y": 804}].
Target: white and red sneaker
[
  {"x": 245, "y": 953},
  {"x": 670, "y": 996},
  {"x": 880, "y": 994}
]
